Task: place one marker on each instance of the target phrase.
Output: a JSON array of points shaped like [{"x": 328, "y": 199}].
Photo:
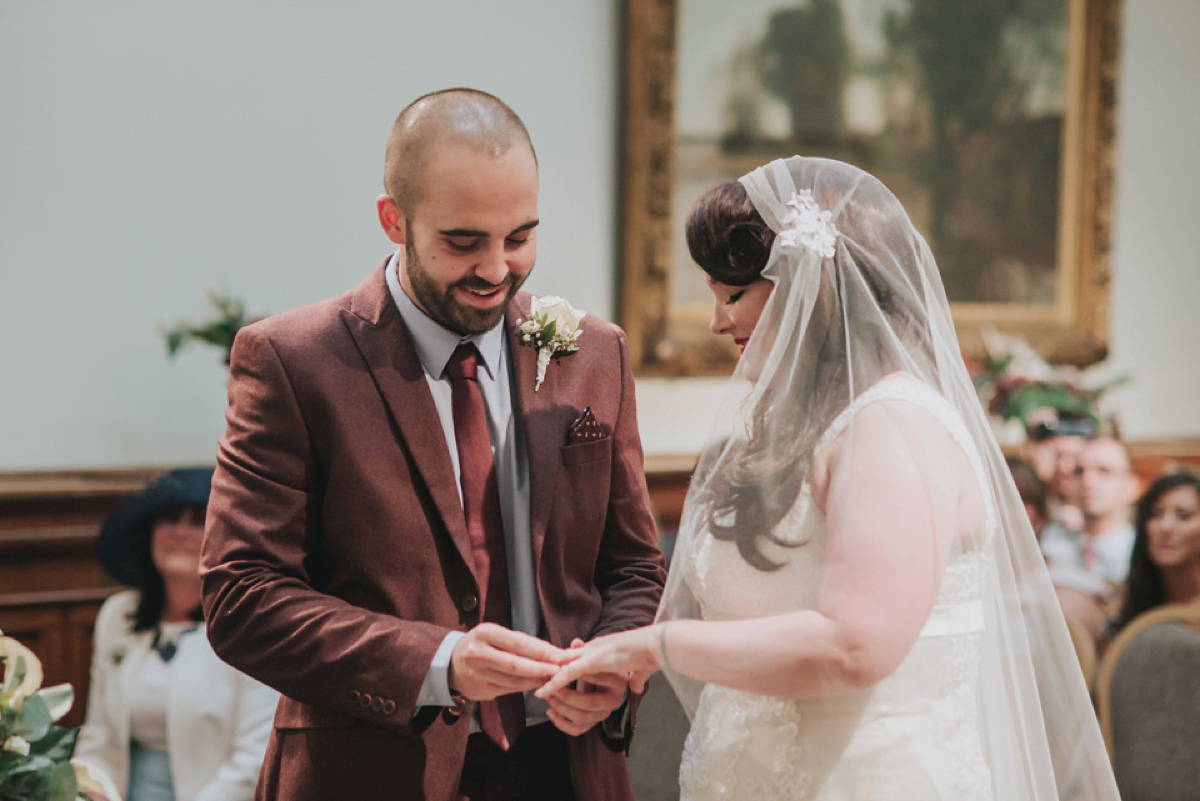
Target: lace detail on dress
[
  {"x": 962, "y": 581},
  {"x": 954, "y": 721},
  {"x": 715, "y": 754},
  {"x": 955, "y": 710}
]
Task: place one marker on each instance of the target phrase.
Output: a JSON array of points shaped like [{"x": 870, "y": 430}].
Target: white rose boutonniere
[{"x": 552, "y": 327}]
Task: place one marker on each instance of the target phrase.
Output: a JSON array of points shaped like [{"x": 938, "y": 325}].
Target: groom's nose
[{"x": 493, "y": 266}]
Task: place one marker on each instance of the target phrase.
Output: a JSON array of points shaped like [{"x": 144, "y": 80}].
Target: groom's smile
[{"x": 470, "y": 241}]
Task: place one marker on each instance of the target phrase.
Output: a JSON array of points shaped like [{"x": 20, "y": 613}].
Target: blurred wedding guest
[
  {"x": 1165, "y": 567},
  {"x": 1033, "y": 491},
  {"x": 1108, "y": 488},
  {"x": 1055, "y": 440},
  {"x": 1081, "y": 597},
  {"x": 1088, "y": 566},
  {"x": 166, "y": 719}
]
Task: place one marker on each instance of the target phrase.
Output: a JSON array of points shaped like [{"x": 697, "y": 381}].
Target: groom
[{"x": 405, "y": 529}]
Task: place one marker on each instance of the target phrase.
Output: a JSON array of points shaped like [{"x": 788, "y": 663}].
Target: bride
[{"x": 857, "y": 608}]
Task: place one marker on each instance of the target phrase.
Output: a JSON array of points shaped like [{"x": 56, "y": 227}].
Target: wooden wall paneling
[{"x": 51, "y": 585}]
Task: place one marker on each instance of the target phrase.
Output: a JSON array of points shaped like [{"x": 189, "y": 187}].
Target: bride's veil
[{"x": 858, "y": 298}]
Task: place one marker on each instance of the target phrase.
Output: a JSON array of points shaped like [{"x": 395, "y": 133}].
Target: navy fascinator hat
[{"x": 123, "y": 546}]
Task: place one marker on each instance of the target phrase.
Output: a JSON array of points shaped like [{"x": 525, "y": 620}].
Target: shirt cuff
[{"x": 435, "y": 690}]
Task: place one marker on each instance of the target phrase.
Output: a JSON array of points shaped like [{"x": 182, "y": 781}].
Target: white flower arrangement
[
  {"x": 808, "y": 225},
  {"x": 553, "y": 327}
]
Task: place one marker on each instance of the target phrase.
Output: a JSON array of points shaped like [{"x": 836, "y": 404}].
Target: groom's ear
[{"x": 391, "y": 219}]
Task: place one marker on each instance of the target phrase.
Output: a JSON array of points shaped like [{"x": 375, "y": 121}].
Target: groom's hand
[
  {"x": 491, "y": 660},
  {"x": 576, "y": 710}
]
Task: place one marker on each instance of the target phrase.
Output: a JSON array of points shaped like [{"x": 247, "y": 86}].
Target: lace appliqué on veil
[{"x": 808, "y": 225}]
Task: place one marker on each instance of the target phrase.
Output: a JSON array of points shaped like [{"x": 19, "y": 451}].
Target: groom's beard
[{"x": 438, "y": 301}]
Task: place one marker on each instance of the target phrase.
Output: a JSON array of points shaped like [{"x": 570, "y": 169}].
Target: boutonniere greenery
[{"x": 553, "y": 327}]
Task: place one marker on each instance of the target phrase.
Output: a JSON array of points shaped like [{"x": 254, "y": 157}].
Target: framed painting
[{"x": 993, "y": 121}]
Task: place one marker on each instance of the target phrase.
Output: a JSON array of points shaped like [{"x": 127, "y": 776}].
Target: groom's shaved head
[{"x": 469, "y": 117}]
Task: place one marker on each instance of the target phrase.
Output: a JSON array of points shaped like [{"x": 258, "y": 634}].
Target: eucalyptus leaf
[
  {"x": 9, "y": 760},
  {"x": 61, "y": 784},
  {"x": 35, "y": 720},
  {"x": 20, "y": 786},
  {"x": 32, "y": 765},
  {"x": 57, "y": 744}
]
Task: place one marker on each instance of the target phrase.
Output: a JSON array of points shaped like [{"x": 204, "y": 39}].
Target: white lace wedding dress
[{"x": 915, "y": 735}]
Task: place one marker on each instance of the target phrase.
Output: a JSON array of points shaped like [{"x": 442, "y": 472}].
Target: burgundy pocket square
[{"x": 586, "y": 428}]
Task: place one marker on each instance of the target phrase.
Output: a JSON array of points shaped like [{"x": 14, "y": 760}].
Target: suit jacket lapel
[
  {"x": 381, "y": 336},
  {"x": 537, "y": 410}
]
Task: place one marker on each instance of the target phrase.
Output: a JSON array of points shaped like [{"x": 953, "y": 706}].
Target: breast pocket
[
  {"x": 581, "y": 452},
  {"x": 583, "y": 486}
]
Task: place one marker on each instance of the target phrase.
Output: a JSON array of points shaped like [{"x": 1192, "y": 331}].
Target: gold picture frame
[{"x": 1067, "y": 323}]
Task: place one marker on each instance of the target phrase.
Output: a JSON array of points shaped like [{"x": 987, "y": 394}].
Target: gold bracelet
[{"x": 662, "y": 645}]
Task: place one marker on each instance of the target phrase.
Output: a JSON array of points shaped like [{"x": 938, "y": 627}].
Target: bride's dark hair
[
  {"x": 727, "y": 237},
  {"x": 762, "y": 475}
]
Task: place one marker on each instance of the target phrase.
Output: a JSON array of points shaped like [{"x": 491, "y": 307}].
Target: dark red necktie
[{"x": 504, "y": 718}]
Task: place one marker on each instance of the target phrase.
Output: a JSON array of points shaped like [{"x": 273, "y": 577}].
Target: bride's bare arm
[{"x": 892, "y": 490}]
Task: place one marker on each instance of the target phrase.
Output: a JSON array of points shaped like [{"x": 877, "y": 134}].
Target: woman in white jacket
[{"x": 166, "y": 719}]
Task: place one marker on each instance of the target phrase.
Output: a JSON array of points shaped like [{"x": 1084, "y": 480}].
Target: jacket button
[
  {"x": 389, "y": 707},
  {"x": 377, "y": 704},
  {"x": 355, "y": 695},
  {"x": 470, "y": 602},
  {"x": 365, "y": 700}
]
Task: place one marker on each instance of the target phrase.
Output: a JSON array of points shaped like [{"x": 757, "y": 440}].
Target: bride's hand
[{"x": 628, "y": 653}]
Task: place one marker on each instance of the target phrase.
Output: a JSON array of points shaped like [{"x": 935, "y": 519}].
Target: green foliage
[
  {"x": 219, "y": 331},
  {"x": 1014, "y": 396},
  {"x": 34, "y": 753},
  {"x": 33, "y": 722},
  {"x": 56, "y": 745},
  {"x": 39, "y": 779}
]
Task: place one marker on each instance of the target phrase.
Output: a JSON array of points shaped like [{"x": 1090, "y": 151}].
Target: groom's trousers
[{"x": 536, "y": 768}]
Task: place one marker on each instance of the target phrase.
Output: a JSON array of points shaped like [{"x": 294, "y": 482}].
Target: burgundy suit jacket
[{"x": 337, "y": 558}]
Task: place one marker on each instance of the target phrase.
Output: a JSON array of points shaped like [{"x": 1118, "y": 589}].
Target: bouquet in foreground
[{"x": 35, "y": 754}]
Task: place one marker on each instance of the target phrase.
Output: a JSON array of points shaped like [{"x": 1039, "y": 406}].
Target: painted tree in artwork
[
  {"x": 803, "y": 59},
  {"x": 992, "y": 152}
]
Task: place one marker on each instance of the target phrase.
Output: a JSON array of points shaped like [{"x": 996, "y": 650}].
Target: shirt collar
[{"x": 434, "y": 343}]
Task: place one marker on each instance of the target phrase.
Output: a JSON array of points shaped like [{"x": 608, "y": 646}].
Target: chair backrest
[
  {"x": 1148, "y": 694},
  {"x": 1085, "y": 651}
]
